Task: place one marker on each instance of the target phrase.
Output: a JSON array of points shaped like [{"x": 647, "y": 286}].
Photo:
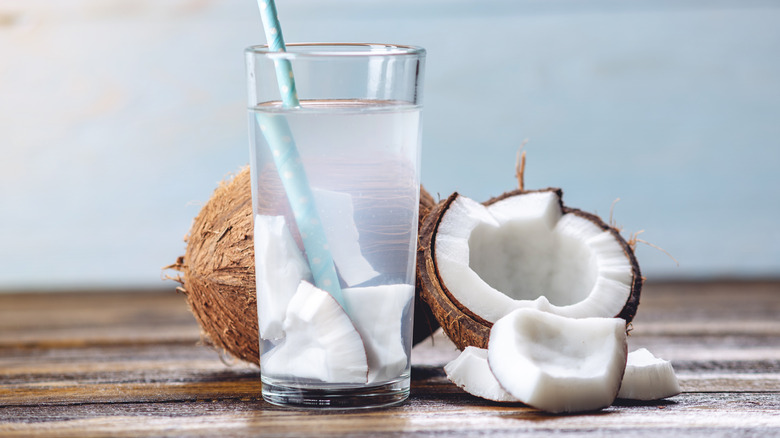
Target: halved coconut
[
  {"x": 648, "y": 377},
  {"x": 558, "y": 364},
  {"x": 471, "y": 372},
  {"x": 321, "y": 343},
  {"x": 525, "y": 249}
]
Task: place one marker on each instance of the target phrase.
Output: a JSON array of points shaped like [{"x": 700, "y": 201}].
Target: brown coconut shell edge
[{"x": 461, "y": 325}]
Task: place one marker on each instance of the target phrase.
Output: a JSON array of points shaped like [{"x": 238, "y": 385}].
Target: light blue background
[{"x": 118, "y": 118}]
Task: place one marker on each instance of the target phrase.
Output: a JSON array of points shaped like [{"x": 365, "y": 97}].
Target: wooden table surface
[{"x": 131, "y": 364}]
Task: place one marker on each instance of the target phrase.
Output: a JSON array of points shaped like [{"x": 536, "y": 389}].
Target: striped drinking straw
[
  {"x": 288, "y": 162},
  {"x": 273, "y": 34}
]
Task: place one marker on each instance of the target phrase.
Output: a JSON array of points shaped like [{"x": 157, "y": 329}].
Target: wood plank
[
  {"x": 57, "y": 320},
  {"x": 709, "y": 301},
  {"x": 92, "y": 308},
  {"x": 712, "y": 327},
  {"x": 130, "y": 364},
  {"x": 686, "y": 415},
  {"x": 715, "y": 308},
  {"x": 670, "y": 302},
  {"x": 188, "y": 373}
]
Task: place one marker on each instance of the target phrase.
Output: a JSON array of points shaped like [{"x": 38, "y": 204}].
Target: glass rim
[{"x": 323, "y": 50}]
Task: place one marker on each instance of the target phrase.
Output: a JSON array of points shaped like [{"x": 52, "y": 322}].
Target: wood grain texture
[{"x": 131, "y": 364}]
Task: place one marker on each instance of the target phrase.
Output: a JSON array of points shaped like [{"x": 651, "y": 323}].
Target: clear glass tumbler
[{"x": 335, "y": 192}]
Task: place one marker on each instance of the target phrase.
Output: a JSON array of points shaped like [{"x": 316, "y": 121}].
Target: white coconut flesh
[
  {"x": 648, "y": 377},
  {"x": 471, "y": 372},
  {"x": 378, "y": 314},
  {"x": 523, "y": 251},
  {"x": 558, "y": 364},
  {"x": 337, "y": 213},
  {"x": 279, "y": 268},
  {"x": 321, "y": 343}
]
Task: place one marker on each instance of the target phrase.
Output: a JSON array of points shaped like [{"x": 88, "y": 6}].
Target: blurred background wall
[{"x": 119, "y": 117}]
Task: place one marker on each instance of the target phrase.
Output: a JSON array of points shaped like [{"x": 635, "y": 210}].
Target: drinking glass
[{"x": 335, "y": 189}]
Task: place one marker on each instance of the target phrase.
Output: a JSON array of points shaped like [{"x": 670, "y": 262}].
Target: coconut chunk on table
[
  {"x": 471, "y": 372},
  {"x": 558, "y": 364},
  {"x": 648, "y": 377}
]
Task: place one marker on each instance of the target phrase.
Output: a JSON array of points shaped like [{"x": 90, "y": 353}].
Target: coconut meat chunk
[
  {"x": 321, "y": 343},
  {"x": 279, "y": 268},
  {"x": 471, "y": 372},
  {"x": 558, "y": 364},
  {"x": 648, "y": 377},
  {"x": 523, "y": 251},
  {"x": 337, "y": 213},
  {"x": 378, "y": 314}
]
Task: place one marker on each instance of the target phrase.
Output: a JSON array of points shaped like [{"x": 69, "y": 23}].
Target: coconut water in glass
[{"x": 356, "y": 134}]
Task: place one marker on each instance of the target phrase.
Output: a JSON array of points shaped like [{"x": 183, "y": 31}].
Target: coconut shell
[
  {"x": 461, "y": 325},
  {"x": 218, "y": 274}
]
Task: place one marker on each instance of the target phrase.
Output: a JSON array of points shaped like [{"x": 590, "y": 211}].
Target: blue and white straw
[
  {"x": 273, "y": 35},
  {"x": 277, "y": 133}
]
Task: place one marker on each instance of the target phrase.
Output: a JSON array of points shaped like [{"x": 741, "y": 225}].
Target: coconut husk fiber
[{"x": 217, "y": 272}]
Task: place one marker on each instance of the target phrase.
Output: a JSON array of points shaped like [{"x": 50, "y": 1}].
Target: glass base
[{"x": 378, "y": 396}]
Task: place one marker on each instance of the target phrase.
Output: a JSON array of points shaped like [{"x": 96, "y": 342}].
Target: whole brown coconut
[
  {"x": 218, "y": 274},
  {"x": 461, "y": 324}
]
